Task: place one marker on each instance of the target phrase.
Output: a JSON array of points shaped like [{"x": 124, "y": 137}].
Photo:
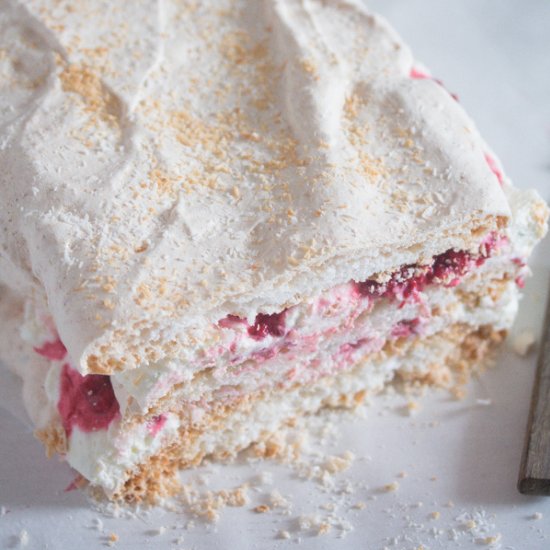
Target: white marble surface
[{"x": 496, "y": 55}]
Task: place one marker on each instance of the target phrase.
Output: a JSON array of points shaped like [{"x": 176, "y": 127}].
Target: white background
[{"x": 496, "y": 55}]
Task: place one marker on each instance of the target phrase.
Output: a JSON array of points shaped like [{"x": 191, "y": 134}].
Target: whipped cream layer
[
  {"x": 106, "y": 444},
  {"x": 166, "y": 164}
]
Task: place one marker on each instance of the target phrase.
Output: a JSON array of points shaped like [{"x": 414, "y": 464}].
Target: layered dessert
[{"x": 219, "y": 216}]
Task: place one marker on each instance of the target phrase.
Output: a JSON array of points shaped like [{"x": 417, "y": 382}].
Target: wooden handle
[{"x": 534, "y": 471}]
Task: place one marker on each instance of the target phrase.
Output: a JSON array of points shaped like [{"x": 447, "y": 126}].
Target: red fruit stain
[
  {"x": 447, "y": 268},
  {"x": 88, "y": 402},
  {"x": 264, "y": 325},
  {"x": 55, "y": 350}
]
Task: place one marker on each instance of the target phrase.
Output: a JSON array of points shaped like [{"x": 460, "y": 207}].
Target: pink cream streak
[{"x": 155, "y": 425}]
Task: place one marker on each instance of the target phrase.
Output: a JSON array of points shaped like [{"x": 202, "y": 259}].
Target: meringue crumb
[
  {"x": 484, "y": 402},
  {"x": 523, "y": 343},
  {"x": 450, "y": 504},
  {"x": 336, "y": 464},
  {"x": 490, "y": 540},
  {"x": 283, "y": 535},
  {"x": 359, "y": 505},
  {"x": 435, "y": 515},
  {"x": 24, "y": 538},
  {"x": 324, "y": 528},
  {"x": 412, "y": 407},
  {"x": 458, "y": 392},
  {"x": 262, "y": 509},
  {"x": 536, "y": 516},
  {"x": 277, "y": 500},
  {"x": 402, "y": 475},
  {"x": 97, "y": 524},
  {"x": 391, "y": 487},
  {"x": 156, "y": 532},
  {"x": 113, "y": 538}
]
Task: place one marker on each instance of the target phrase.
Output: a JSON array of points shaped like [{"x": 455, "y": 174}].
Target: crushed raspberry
[
  {"x": 494, "y": 168},
  {"x": 264, "y": 325},
  {"x": 371, "y": 289},
  {"x": 452, "y": 263},
  {"x": 55, "y": 351},
  {"x": 447, "y": 268},
  {"x": 88, "y": 402}
]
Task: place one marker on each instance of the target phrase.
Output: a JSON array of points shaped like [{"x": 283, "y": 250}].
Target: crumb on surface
[
  {"x": 261, "y": 509},
  {"x": 484, "y": 402},
  {"x": 412, "y": 407},
  {"x": 391, "y": 487},
  {"x": 523, "y": 343},
  {"x": 24, "y": 538},
  {"x": 336, "y": 464},
  {"x": 488, "y": 541}
]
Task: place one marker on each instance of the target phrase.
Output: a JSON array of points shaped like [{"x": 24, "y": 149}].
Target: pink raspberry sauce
[
  {"x": 55, "y": 350},
  {"x": 88, "y": 402}
]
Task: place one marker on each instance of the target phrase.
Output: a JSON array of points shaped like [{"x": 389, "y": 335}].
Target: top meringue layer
[{"x": 167, "y": 163}]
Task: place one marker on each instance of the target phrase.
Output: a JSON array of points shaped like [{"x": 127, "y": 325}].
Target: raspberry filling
[
  {"x": 88, "y": 402},
  {"x": 264, "y": 325},
  {"x": 447, "y": 268},
  {"x": 405, "y": 284}
]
